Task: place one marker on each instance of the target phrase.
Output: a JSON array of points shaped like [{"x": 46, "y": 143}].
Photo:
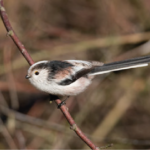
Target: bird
[{"x": 71, "y": 77}]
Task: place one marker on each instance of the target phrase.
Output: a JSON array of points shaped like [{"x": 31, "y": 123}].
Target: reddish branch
[
  {"x": 24, "y": 52},
  {"x": 12, "y": 34},
  {"x": 74, "y": 127}
]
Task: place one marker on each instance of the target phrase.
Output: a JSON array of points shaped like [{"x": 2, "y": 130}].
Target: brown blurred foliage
[{"x": 114, "y": 109}]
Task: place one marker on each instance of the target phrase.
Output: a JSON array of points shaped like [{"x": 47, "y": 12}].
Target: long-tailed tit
[{"x": 71, "y": 77}]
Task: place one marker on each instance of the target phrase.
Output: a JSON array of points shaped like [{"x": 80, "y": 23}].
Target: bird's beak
[{"x": 27, "y": 76}]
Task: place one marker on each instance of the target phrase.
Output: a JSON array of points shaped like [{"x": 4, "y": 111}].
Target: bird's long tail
[{"x": 121, "y": 65}]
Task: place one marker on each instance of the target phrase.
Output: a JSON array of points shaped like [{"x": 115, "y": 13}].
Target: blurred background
[{"x": 114, "y": 109}]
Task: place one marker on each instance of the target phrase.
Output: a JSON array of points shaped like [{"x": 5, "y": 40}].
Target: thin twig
[
  {"x": 74, "y": 127},
  {"x": 12, "y": 34},
  {"x": 24, "y": 52}
]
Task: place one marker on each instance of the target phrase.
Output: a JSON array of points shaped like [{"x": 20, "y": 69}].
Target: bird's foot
[
  {"x": 54, "y": 97},
  {"x": 60, "y": 104}
]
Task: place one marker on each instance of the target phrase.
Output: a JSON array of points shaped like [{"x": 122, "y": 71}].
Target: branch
[
  {"x": 12, "y": 34},
  {"x": 26, "y": 55},
  {"x": 74, "y": 127}
]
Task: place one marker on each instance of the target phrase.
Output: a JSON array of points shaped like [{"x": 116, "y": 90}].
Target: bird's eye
[{"x": 36, "y": 73}]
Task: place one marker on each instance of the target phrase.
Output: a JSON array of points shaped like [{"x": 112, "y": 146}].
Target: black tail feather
[{"x": 122, "y": 64}]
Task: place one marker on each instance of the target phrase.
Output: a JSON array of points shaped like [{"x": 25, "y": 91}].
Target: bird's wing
[
  {"x": 81, "y": 64},
  {"x": 79, "y": 69},
  {"x": 82, "y": 67}
]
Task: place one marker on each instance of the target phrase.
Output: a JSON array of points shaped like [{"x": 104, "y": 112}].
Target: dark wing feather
[{"x": 79, "y": 74}]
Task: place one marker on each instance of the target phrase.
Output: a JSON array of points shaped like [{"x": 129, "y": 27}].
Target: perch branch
[{"x": 26, "y": 55}]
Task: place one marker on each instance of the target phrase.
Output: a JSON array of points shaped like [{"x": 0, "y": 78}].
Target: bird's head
[{"x": 38, "y": 73}]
